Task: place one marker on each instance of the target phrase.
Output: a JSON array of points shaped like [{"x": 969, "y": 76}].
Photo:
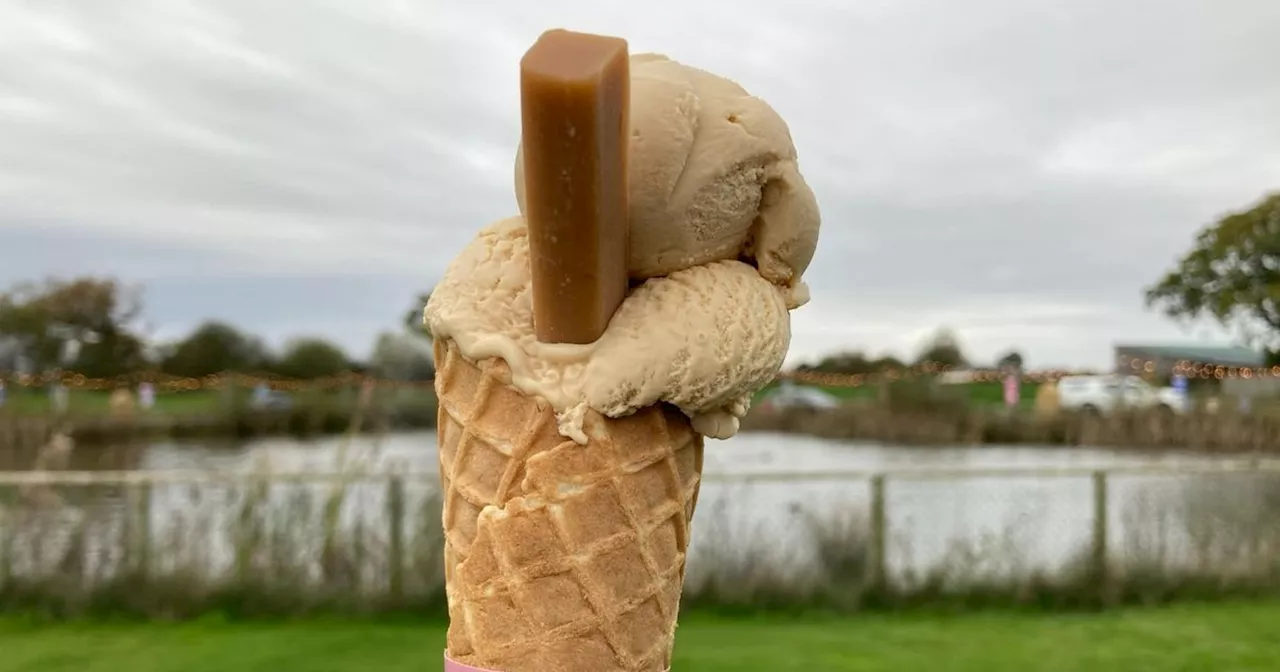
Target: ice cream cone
[{"x": 560, "y": 557}]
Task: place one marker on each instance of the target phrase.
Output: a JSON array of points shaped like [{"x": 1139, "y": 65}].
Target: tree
[
  {"x": 1010, "y": 360},
  {"x": 942, "y": 348},
  {"x": 111, "y": 353},
  {"x": 90, "y": 319},
  {"x": 399, "y": 356},
  {"x": 853, "y": 362},
  {"x": 312, "y": 358},
  {"x": 215, "y": 347},
  {"x": 413, "y": 319},
  {"x": 1232, "y": 273},
  {"x": 887, "y": 363}
]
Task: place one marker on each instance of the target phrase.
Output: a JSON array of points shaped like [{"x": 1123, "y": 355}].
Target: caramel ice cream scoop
[
  {"x": 721, "y": 227},
  {"x": 712, "y": 176}
]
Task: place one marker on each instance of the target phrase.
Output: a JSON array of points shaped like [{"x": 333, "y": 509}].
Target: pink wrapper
[{"x": 451, "y": 665}]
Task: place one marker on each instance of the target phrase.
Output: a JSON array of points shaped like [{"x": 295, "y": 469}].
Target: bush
[{"x": 924, "y": 395}]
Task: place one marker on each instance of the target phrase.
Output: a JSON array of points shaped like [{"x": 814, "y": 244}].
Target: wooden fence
[{"x": 138, "y": 487}]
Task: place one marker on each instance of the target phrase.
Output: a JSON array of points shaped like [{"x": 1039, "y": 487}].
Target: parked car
[
  {"x": 267, "y": 399},
  {"x": 1106, "y": 393},
  {"x": 798, "y": 396}
]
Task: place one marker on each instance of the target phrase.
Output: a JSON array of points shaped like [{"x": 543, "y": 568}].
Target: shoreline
[
  {"x": 855, "y": 420},
  {"x": 1222, "y": 432}
]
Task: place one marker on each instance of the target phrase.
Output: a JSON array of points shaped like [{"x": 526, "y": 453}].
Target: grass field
[
  {"x": 91, "y": 402},
  {"x": 1217, "y": 638},
  {"x": 167, "y": 403},
  {"x": 980, "y": 394}
]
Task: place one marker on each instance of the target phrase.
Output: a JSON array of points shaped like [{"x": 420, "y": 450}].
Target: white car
[
  {"x": 798, "y": 396},
  {"x": 1103, "y": 394}
]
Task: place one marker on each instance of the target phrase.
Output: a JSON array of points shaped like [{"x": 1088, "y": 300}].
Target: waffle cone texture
[{"x": 560, "y": 557}]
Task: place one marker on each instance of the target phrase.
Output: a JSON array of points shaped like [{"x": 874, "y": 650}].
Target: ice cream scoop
[
  {"x": 722, "y": 228},
  {"x": 713, "y": 176},
  {"x": 703, "y": 338}
]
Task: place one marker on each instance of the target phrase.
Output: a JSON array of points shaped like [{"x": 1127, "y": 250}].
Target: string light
[
  {"x": 167, "y": 383},
  {"x": 929, "y": 369}
]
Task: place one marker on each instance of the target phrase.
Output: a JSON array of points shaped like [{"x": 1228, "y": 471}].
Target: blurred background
[{"x": 1030, "y": 419}]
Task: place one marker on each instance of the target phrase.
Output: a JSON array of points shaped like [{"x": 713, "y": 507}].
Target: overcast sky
[{"x": 1015, "y": 169}]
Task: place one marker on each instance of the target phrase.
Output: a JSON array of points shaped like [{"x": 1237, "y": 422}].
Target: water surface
[{"x": 1037, "y": 521}]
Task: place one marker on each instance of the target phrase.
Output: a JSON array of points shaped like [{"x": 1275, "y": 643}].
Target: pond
[{"x": 1038, "y": 522}]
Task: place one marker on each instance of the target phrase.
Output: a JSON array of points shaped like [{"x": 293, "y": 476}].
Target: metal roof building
[{"x": 1161, "y": 359}]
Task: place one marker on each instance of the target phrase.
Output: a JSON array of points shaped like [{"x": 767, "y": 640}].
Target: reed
[
  {"x": 356, "y": 542},
  {"x": 1223, "y": 431}
]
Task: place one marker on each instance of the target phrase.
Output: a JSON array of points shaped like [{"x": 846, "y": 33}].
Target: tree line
[
  {"x": 91, "y": 325},
  {"x": 942, "y": 349}
]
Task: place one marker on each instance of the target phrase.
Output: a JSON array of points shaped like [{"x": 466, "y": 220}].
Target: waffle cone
[{"x": 560, "y": 557}]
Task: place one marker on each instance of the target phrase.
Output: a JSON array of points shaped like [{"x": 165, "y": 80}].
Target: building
[{"x": 1160, "y": 360}]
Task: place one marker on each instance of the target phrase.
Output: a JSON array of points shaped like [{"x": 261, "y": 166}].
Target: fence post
[
  {"x": 395, "y": 550},
  {"x": 6, "y": 539},
  {"x": 249, "y": 530},
  {"x": 879, "y": 534},
  {"x": 129, "y": 528},
  {"x": 140, "y": 544},
  {"x": 1100, "y": 564}
]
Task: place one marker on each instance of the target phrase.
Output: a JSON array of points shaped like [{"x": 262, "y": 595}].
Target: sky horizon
[{"x": 1017, "y": 171}]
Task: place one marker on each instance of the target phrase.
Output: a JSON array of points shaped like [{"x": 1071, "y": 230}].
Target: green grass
[
  {"x": 1209, "y": 638},
  {"x": 980, "y": 394},
  {"x": 98, "y": 402}
]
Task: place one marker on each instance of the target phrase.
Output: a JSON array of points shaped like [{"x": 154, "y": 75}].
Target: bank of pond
[{"x": 1223, "y": 431}]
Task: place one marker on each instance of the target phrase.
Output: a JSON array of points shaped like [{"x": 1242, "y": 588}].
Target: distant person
[
  {"x": 146, "y": 396},
  {"x": 1012, "y": 388},
  {"x": 1047, "y": 401},
  {"x": 3, "y": 392},
  {"x": 58, "y": 397},
  {"x": 261, "y": 394},
  {"x": 122, "y": 403}
]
